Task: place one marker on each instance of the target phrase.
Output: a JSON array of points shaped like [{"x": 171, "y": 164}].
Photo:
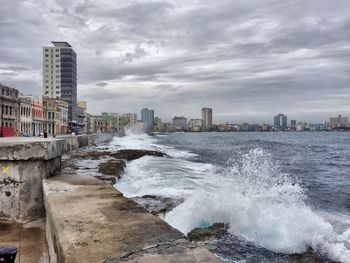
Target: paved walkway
[
  {"x": 92, "y": 222},
  {"x": 29, "y": 239}
]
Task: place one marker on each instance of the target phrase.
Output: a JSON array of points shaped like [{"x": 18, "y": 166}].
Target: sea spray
[{"x": 263, "y": 205}]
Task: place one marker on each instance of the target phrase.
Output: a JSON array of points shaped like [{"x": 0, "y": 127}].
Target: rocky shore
[{"x": 111, "y": 168}]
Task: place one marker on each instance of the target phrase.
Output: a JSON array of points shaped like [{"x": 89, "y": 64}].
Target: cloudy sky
[{"x": 248, "y": 60}]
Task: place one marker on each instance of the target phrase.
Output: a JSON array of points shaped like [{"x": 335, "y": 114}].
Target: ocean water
[{"x": 281, "y": 193}]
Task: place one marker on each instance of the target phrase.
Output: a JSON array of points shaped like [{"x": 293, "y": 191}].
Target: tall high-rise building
[
  {"x": 207, "y": 117},
  {"x": 60, "y": 76},
  {"x": 147, "y": 116},
  {"x": 280, "y": 120}
]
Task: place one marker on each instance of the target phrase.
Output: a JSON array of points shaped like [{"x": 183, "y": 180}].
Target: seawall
[
  {"x": 25, "y": 162},
  {"x": 87, "y": 220}
]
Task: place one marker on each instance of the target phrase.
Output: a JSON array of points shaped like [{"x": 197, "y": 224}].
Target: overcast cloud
[{"x": 248, "y": 60}]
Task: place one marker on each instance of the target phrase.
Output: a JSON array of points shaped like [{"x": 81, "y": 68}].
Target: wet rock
[
  {"x": 309, "y": 256},
  {"x": 129, "y": 154},
  {"x": 93, "y": 155},
  {"x": 158, "y": 205},
  {"x": 214, "y": 231},
  {"x": 112, "y": 167}
]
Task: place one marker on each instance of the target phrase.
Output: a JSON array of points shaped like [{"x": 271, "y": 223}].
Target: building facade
[
  {"x": 280, "y": 121},
  {"x": 339, "y": 122},
  {"x": 9, "y": 111},
  {"x": 195, "y": 124},
  {"x": 26, "y": 118},
  {"x": 60, "y": 76},
  {"x": 38, "y": 115},
  {"x": 147, "y": 116},
  {"x": 207, "y": 117},
  {"x": 180, "y": 123},
  {"x": 82, "y": 116}
]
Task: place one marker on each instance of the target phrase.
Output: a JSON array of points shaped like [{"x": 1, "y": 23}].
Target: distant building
[
  {"x": 9, "y": 110},
  {"x": 60, "y": 76},
  {"x": 147, "y": 116},
  {"x": 159, "y": 126},
  {"x": 180, "y": 123},
  {"x": 265, "y": 127},
  {"x": 38, "y": 115},
  {"x": 339, "y": 122},
  {"x": 195, "y": 124},
  {"x": 130, "y": 118},
  {"x": 280, "y": 121},
  {"x": 82, "y": 116},
  {"x": 26, "y": 118},
  {"x": 207, "y": 117}
]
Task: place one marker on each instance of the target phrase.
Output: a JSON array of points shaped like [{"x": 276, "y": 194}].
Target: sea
[{"x": 280, "y": 192}]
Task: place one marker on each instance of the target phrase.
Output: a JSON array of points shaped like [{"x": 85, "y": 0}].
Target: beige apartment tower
[{"x": 207, "y": 117}]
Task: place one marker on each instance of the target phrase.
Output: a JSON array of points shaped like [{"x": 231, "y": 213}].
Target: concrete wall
[{"x": 24, "y": 163}]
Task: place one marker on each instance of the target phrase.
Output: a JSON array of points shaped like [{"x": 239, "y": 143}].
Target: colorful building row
[{"x": 31, "y": 115}]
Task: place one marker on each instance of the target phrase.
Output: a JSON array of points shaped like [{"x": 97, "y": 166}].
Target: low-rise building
[
  {"x": 180, "y": 123},
  {"x": 38, "y": 115},
  {"x": 63, "y": 119},
  {"x": 26, "y": 118},
  {"x": 82, "y": 116},
  {"x": 9, "y": 110},
  {"x": 195, "y": 125},
  {"x": 339, "y": 122}
]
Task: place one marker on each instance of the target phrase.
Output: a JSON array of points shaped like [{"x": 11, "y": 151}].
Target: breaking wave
[
  {"x": 265, "y": 206},
  {"x": 262, "y": 204}
]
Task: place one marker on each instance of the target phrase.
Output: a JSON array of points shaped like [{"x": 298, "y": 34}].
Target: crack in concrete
[{"x": 8, "y": 180}]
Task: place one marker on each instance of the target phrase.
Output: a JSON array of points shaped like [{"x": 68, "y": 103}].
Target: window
[
  {"x": 57, "y": 87},
  {"x": 57, "y": 55},
  {"x": 57, "y": 92},
  {"x": 46, "y": 55},
  {"x": 47, "y": 87},
  {"x": 57, "y": 50},
  {"x": 46, "y": 66},
  {"x": 46, "y": 50},
  {"x": 57, "y": 66},
  {"x": 46, "y": 92}
]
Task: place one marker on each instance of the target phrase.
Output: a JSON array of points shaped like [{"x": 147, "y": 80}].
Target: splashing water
[{"x": 265, "y": 206}]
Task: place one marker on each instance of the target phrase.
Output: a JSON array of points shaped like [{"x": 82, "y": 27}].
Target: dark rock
[
  {"x": 309, "y": 256},
  {"x": 136, "y": 154},
  {"x": 112, "y": 167},
  {"x": 93, "y": 155},
  {"x": 158, "y": 205},
  {"x": 214, "y": 231},
  {"x": 127, "y": 154}
]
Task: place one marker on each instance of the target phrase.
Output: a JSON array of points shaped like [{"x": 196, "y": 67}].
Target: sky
[{"x": 248, "y": 60}]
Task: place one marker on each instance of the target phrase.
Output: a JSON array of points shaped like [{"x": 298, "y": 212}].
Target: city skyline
[{"x": 250, "y": 60}]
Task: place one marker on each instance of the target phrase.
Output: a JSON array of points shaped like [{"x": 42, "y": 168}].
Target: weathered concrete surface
[
  {"x": 28, "y": 238},
  {"x": 24, "y": 163},
  {"x": 31, "y": 148},
  {"x": 90, "y": 221}
]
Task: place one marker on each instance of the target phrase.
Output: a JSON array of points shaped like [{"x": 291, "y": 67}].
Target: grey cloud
[{"x": 240, "y": 57}]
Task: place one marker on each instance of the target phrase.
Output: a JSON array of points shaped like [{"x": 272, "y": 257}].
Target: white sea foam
[{"x": 262, "y": 204}]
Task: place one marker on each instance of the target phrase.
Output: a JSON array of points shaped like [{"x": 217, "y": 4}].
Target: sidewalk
[{"x": 29, "y": 239}]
